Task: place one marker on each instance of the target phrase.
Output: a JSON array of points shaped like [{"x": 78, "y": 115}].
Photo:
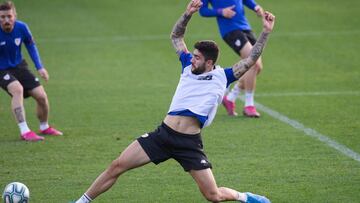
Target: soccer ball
[{"x": 16, "y": 193}]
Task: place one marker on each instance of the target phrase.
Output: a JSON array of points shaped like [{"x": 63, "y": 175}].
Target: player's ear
[{"x": 209, "y": 62}]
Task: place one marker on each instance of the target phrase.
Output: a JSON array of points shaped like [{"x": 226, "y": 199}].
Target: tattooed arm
[
  {"x": 244, "y": 65},
  {"x": 178, "y": 31},
  {"x": 177, "y": 34}
]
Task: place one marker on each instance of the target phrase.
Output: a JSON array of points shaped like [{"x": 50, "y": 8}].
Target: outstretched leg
[
  {"x": 207, "y": 185},
  {"x": 132, "y": 157}
]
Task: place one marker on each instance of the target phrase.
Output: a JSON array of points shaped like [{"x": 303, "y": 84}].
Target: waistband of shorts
[
  {"x": 19, "y": 65},
  {"x": 173, "y": 132}
]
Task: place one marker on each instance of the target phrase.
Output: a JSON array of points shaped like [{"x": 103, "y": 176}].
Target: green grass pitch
[{"x": 113, "y": 72}]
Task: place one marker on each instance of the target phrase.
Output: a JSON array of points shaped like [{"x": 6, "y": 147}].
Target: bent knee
[
  {"x": 42, "y": 99},
  {"x": 15, "y": 89},
  {"x": 117, "y": 167},
  {"x": 40, "y": 96}
]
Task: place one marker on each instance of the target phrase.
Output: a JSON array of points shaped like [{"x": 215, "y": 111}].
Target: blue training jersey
[
  {"x": 10, "y": 46},
  {"x": 226, "y": 25}
]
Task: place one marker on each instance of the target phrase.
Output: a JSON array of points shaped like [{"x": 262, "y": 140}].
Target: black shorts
[
  {"x": 19, "y": 73},
  {"x": 165, "y": 143},
  {"x": 236, "y": 39}
]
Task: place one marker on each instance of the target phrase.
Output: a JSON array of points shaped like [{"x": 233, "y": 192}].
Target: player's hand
[
  {"x": 268, "y": 21},
  {"x": 193, "y": 6},
  {"x": 228, "y": 12},
  {"x": 259, "y": 10},
  {"x": 44, "y": 74}
]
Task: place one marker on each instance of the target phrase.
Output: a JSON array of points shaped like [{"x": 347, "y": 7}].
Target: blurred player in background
[
  {"x": 199, "y": 92},
  {"x": 15, "y": 76},
  {"x": 236, "y": 32}
]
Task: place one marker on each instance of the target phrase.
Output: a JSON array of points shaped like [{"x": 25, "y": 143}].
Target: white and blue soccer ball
[{"x": 16, "y": 192}]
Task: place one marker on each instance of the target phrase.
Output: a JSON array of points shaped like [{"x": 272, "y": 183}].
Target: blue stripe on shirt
[
  {"x": 229, "y": 76},
  {"x": 201, "y": 119},
  {"x": 185, "y": 59}
]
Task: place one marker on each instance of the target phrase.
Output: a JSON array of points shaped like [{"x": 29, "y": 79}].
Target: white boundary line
[
  {"x": 308, "y": 94},
  {"x": 308, "y": 131},
  {"x": 193, "y": 36}
]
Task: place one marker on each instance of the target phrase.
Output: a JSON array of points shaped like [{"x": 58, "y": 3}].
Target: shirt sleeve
[
  {"x": 31, "y": 48},
  {"x": 229, "y": 76},
  {"x": 185, "y": 59},
  {"x": 250, "y": 4},
  {"x": 205, "y": 11}
]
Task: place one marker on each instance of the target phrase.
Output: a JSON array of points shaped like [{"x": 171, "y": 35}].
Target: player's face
[
  {"x": 198, "y": 63},
  {"x": 7, "y": 20}
]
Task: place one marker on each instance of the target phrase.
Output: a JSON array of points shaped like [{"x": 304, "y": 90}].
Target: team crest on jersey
[
  {"x": 205, "y": 77},
  {"x": 17, "y": 41},
  {"x": 2, "y": 43}
]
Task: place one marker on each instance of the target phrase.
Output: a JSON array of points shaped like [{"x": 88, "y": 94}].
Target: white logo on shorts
[
  {"x": 17, "y": 41},
  {"x": 203, "y": 161},
  {"x": 7, "y": 77},
  {"x": 145, "y": 135},
  {"x": 37, "y": 79},
  {"x": 238, "y": 42}
]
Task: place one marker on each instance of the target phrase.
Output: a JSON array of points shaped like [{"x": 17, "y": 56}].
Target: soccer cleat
[
  {"x": 31, "y": 136},
  {"x": 254, "y": 198},
  {"x": 250, "y": 111},
  {"x": 229, "y": 106},
  {"x": 50, "y": 131}
]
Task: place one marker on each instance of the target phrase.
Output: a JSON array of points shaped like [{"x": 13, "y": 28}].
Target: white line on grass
[
  {"x": 194, "y": 36},
  {"x": 308, "y": 131},
  {"x": 308, "y": 94}
]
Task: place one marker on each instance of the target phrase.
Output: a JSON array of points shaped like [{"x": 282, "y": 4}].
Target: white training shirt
[{"x": 199, "y": 94}]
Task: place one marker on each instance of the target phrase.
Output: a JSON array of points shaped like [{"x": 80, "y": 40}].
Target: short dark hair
[
  {"x": 208, "y": 48},
  {"x": 7, "y": 5}
]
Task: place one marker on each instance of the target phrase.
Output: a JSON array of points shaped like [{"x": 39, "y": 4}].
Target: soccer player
[
  {"x": 15, "y": 76},
  {"x": 236, "y": 32},
  {"x": 200, "y": 90}
]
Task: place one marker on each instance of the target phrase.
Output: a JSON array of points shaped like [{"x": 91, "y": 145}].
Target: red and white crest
[{"x": 17, "y": 41}]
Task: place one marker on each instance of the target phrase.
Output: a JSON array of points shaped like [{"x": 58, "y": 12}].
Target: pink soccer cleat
[
  {"x": 229, "y": 106},
  {"x": 31, "y": 136},
  {"x": 250, "y": 111},
  {"x": 51, "y": 131}
]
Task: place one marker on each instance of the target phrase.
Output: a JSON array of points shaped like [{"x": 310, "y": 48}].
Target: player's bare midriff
[{"x": 183, "y": 124}]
